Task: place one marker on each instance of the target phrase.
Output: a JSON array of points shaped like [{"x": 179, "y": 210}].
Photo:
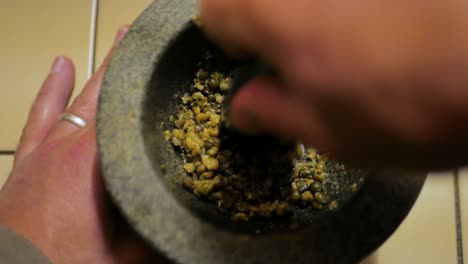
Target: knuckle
[
  {"x": 84, "y": 107},
  {"x": 87, "y": 112},
  {"x": 47, "y": 151},
  {"x": 83, "y": 147}
]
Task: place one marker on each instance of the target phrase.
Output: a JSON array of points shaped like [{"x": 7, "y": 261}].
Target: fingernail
[
  {"x": 120, "y": 34},
  {"x": 57, "y": 66}
]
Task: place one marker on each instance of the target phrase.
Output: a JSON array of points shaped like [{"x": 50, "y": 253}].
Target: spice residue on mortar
[{"x": 248, "y": 177}]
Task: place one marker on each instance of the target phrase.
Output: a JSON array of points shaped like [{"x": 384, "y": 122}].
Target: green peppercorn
[
  {"x": 211, "y": 98},
  {"x": 320, "y": 197},
  {"x": 302, "y": 185},
  {"x": 316, "y": 205},
  {"x": 307, "y": 197},
  {"x": 202, "y": 74},
  {"x": 282, "y": 209},
  {"x": 188, "y": 182},
  {"x": 225, "y": 84},
  {"x": 333, "y": 205},
  {"x": 316, "y": 186},
  {"x": 216, "y": 172},
  {"x": 295, "y": 196},
  {"x": 213, "y": 83},
  {"x": 321, "y": 165},
  {"x": 319, "y": 176}
]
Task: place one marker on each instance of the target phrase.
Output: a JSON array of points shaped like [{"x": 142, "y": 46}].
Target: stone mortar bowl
[{"x": 138, "y": 94}]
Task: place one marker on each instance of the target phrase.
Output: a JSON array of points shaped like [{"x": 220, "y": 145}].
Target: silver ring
[{"x": 76, "y": 120}]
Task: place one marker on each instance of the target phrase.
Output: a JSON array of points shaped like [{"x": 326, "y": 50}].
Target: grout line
[
  {"x": 7, "y": 152},
  {"x": 458, "y": 222},
  {"x": 92, "y": 37}
]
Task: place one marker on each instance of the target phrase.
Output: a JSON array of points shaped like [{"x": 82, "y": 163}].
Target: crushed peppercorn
[{"x": 246, "y": 183}]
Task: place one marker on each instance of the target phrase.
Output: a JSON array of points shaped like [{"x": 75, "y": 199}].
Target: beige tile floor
[
  {"x": 33, "y": 33},
  {"x": 112, "y": 15},
  {"x": 464, "y": 207},
  {"x": 426, "y": 236},
  {"x": 6, "y": 161}
]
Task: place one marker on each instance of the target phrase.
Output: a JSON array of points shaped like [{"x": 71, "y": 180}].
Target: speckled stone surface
[{"x": 137, "y": 94}]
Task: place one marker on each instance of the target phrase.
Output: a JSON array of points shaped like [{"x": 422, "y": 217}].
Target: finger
[
  {"x": 263, "y": 27},
  {"x": 85, "y": 104},
  {"x": 211, "y": 13},
  {"x": 50, "y": 102},
  {"x": 225, "y": 22},
  {"x": 262, "y": 106}
]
